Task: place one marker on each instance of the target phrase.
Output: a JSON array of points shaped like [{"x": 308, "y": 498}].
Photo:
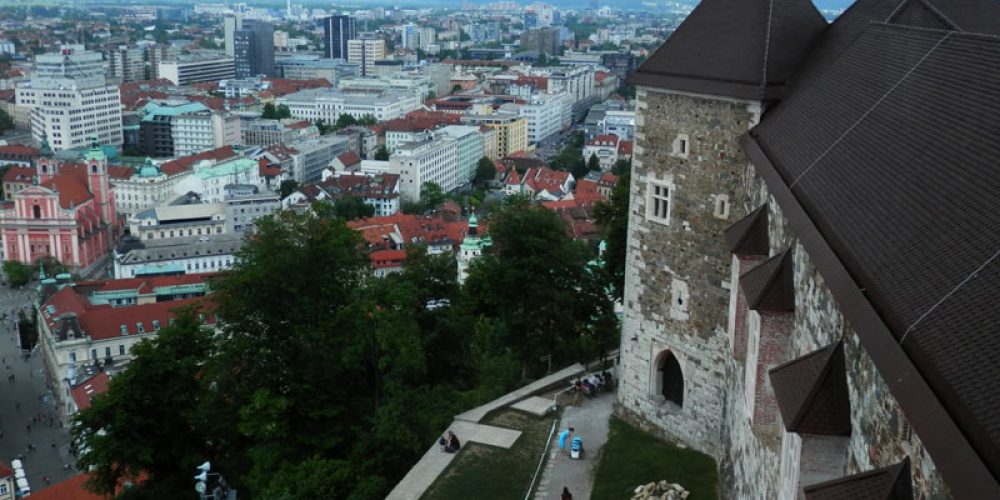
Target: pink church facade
[{"x": 69, "y": 214}]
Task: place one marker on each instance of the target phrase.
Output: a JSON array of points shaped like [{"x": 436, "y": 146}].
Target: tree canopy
[
  {"x": 382, "y": 154},
  {"x": 612, "y": 218},
  {"x": 322, "y": 381},
  {"x": 485, "y": 171}
]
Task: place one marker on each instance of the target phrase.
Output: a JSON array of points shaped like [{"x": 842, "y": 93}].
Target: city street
[{"x": 44, "y": 446}]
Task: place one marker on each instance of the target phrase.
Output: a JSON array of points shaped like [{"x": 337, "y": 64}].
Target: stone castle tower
[{"x": 697, "y": 94}]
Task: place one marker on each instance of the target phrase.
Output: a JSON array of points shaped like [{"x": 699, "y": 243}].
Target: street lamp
[{"x": 221, "y": 490}]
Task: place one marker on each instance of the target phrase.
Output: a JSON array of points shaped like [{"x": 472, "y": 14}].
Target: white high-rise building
[
  {"x": 547, "y": 114},
  {"x": 364, "y": 52},
  {"x": 434, "y": 161},
  {"x": 70, "y": 101},
  {"x": 196, "y": 132}
]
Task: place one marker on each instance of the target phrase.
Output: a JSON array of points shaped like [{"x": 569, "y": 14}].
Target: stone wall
[
  {"x": 678, "y": 299},
  {"x": 880, "y": 435},
  {"x": 677, "y": 272}
]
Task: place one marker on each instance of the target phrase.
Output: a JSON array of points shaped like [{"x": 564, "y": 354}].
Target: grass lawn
[
  {"x": 632, "y": 458},
  {"x": 488, "y": 472}
]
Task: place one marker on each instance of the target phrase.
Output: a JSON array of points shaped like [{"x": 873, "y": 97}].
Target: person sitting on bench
[{"x": 451, "y": 444}]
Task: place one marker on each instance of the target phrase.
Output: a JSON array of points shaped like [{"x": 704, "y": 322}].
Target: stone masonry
[
  {"x": 677, "y": 270},
  {"x": 680, "y": 299}
]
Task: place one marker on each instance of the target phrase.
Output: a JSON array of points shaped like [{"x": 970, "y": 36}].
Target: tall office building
[
  {"x": 70, "y": 101},
  {"x": 229, "y": 26},
  {"x": 337, "y": 30},
  {"x": 365, "y": 51},
  {"x": 253, "y": 49}
]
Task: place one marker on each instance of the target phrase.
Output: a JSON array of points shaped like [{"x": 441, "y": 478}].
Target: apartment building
[
  {"x": 511, "y": 130},
  {"x": 69, "y": 101},
  {"x": 186, "y": 70},
  {"x": 365, "y": 51},
  {"x": 329, "y": 104},
  {"x": 204, "y": 130}
]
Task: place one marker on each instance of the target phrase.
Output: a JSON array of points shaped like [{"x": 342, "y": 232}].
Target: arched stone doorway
[{"x": 671, "y": 378}]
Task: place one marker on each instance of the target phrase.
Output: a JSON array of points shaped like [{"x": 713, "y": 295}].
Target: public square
[{"x": 28, "y": 419}]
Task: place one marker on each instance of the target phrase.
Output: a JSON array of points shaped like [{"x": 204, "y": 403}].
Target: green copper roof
[
  {"x": 149, "y": 169},
  {"x": 96, "y": 152},
  {"x": 154, "y": 108},
  {"x": 231, "y": 167}
]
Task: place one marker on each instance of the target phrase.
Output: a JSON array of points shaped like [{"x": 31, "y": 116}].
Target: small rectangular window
[
  {"x": 156, "y": 325},
  {"x": 72, "y": 357},
  {"x": 139, "y": 327},
  {"x": 121, "y": 349},
  {"x": 658, "y": 203},
  {"x": 107, "y": 352},
  {"x": 124, "y": 330}
]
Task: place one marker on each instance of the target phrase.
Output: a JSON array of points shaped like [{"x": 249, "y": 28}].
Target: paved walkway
[
  {"x": 25, "y": 398},
  {"x": 477, "y": 414},
  {"x": 468, "y": 429},
  {"x": 590, "y": 419}
]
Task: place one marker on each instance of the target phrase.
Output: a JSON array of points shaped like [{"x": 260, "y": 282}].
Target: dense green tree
[
  {"x": 612, "y": 218},
  {"x": 6, "y": 122},
  {"x": 536, "y": 283},
  {"x": 352, "y": 207},
  {"x": 382, "y": 154},
  {"x": 432, "y": 195},
  {"x": 570, "y": 159},
  {"x": 283, "y": 111},
  {"x": 485, "y": 171},
  {"x": 345, "y": 120},
  {"x": 368, "y": 120},
  {"x": 18, "y": 274},
  {"x": 128, "y": 431},
  {"x": 270, "y": 111},
  {"x": 593, "y": 163},
  {"x": 283, "y": 305},
  {"x": 287, "y": 187},
  {"x": 622, "y": 167},
  {"x": 323, "y": 127}
]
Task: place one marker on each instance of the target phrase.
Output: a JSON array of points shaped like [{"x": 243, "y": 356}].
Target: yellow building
[{"x": 511, "y": 131}]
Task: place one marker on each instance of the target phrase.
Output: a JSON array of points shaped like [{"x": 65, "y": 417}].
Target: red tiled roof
[
  {"x": 83, "y": 393},
  {"x": 71, "y": 489},
  {"x": 183, "y": 164},
  {"x": 625, "y": 148},
  {"x": 349, "y": 158},
  {"x": 382, "y": 259},
  {"x": 71, "y": 184},
  {"x": 19, "y": 174},
  {"x": 101, "y": 323},
  {"x": 154, "y": 281},
  {"x": 538, "y": 82},
  {"x": 601, "y": 75},
  {"x": 545, "y": 179},
  {"x": 603, "y": 140},
  {"x": 120, "y": 172},
  {"x": 418, "y": 120},
  {"x": 18, "y": 150},
  {"x": 104, "y": 322},
  {"x": 411, "y": 228},
  {"x": 267, "y": 169},
  {"x": 5, "y": 471},
  {"x": 280, "y": 87},
  {"x": 299, "y": 125},
  {"x": 513, "y": 179}
]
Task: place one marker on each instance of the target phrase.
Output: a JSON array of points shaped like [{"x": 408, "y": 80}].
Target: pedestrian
[
  {"x": 564, "y": 439},
  {"x": 566, "y": 495},
  {"x": 29, "y": 428},
  {"x": 53, "y": 445}
]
